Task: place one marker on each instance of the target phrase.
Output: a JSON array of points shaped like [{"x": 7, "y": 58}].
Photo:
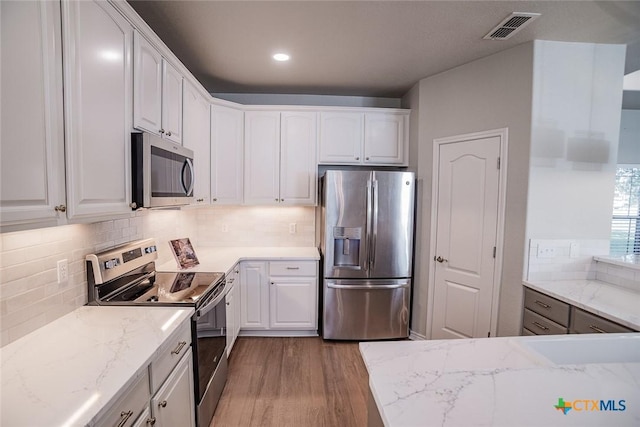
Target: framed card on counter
[{"x": 183, "y": 252}]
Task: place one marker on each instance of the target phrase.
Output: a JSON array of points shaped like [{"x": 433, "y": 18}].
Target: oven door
[{"x": 210, "y": 357}]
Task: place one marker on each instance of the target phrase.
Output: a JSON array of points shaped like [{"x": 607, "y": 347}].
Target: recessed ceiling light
[{"x": 281, "y": 57}]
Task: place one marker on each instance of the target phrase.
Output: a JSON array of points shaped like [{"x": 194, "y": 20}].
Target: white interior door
[{"x": 466, "y": 234}]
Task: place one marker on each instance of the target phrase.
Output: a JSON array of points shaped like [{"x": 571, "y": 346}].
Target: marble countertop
[
  {"x": 631, "y": 261},
  {"x": 223, "y": 259},
  {"x": 70, "y": 371},
  {"x": 496, "y": 382},
  {"x": 612, "y": 302}
]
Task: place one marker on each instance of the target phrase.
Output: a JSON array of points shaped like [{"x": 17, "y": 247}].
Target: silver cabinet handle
[
  {"x": 161, "y": 130},
  {"x": 60, "y": 208},
  {"x": 440, "y": 259},
  {"x": 543, "y": 305},
  {"x": 151, "y": 421},
  {"x": 293, "y": 268},
  {"x": 199, "y": 200},
  {"x": 215, "y": 199},
  {"x": 282, "y": 200},
  {"x": 163, "y": 404},
  {"x": 179, "y": 347},
  {"x": 357, "y": 158},
  {"x": 596, "y": 329},
  {"x": 367, "y": 158},
  {"x": 124, "y": 416},
  {"x": 169, "y": 133},
  {"x": 544, "y": 328}
]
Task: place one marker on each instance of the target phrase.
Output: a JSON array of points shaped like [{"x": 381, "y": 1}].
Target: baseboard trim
[
  {"x": 250, "y": 333},
  {"x": 416, "y": 336}
]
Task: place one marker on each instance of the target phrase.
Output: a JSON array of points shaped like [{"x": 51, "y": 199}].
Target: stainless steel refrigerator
[{"x": 366, "y": 240}]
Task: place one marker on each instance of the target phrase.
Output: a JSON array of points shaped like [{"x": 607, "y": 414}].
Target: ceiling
[{"x": 363, "y": 48}]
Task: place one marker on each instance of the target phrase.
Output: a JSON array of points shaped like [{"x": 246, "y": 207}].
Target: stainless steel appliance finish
[
  {"x": 162, "y": 172},
  {"x": 366, "y": 240},
  {"x": 126, "y": 276}
]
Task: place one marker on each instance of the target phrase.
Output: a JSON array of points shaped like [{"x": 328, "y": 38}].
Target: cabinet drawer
[
  {"x": 540, "y": 325},
  {"x": 547, "y": 306},
  {"x": 169, "y": 356},
  {"x": 128, "y": 408},
  {"x": 292, "y": 268},
  {"x": 583, "y": 322}
]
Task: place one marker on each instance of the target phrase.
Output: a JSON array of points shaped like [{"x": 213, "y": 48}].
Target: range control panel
[{"x": 115, "y": 262}]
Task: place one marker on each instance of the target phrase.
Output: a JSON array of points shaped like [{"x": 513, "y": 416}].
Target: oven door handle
[{"x": 209, "y": 304}]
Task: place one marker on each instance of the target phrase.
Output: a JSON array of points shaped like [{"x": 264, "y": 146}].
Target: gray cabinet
[{"x": 545, "y": 315}]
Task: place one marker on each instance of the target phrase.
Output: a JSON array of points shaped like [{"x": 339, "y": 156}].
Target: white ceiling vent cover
[{"x": 511, "y": 25}]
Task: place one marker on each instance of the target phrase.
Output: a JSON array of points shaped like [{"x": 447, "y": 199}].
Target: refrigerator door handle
[
  {"x": 368, "y": 225},
  {"x": 368, "y": 287},
  {"x": 374, "y": 224}
]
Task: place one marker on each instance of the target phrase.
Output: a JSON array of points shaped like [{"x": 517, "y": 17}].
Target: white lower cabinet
[
  {"x": 279, "y": 296},
  {"x": 174, "y": 403},
  {"x": 129, "y": 407},
  {"x": 233, "y": 307}
]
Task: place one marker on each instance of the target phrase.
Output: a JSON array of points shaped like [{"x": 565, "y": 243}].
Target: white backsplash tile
[
  {"x": 30, "y": 296},
  {"x": 565, "y": 264}
]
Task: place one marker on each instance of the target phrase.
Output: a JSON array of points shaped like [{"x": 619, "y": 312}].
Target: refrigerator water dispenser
[{"x": 346, "y": 246}]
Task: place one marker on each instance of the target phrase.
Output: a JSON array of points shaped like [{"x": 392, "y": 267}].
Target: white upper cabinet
[
  {"x": 262, "y": 157},
  {"x": 97, "y": 97},
  {"x": 157, "y": 100},
  {"x": 364, "y": 138},
  {"x": 298, "y": 171},
  {"x": 341, "y": 137},
  {"x": 384, "y": 138},
  {"x": 196, "y": 137},
  {"x": 280, "y": 165},
  {"x": 171, "y": 103},
  {"x": 147, "y": 86},
  {"x": 32, "y": 139},
  {"x": 227, "y": 146}
]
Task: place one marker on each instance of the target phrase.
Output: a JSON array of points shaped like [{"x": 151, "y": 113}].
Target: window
[{"x": 625, "y": 225}]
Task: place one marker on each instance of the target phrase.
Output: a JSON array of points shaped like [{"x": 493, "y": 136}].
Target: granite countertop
[
  {"x": 222, "y": 259},
  {"x": 612, "y": 302},
  {"x": 500, "y": 382},
  {"x": 70, "y": 371}
]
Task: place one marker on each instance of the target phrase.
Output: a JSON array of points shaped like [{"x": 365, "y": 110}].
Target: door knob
[{"x": 440, "y": 259}]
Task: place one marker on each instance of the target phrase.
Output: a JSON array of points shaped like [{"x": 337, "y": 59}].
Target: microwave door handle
[{"x": 188, "y": 163}]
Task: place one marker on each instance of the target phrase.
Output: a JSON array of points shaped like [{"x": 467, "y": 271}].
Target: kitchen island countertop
[
  {"x": 501, "y": 382},
  {"x": 69, "y": 372}
]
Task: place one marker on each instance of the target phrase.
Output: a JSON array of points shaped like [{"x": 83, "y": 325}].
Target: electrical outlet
[
  {"x": 546, "y": 251},
  {"x": 293, "y": 227},
  {"x": 63, "y": 271},
  {"x": 574, "y": 250}
]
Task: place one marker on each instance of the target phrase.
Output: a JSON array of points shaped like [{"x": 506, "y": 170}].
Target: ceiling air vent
[{"x": 511, "y": 25}]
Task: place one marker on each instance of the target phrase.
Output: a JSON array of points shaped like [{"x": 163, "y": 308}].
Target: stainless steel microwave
[{"x": 162, "y": 172}]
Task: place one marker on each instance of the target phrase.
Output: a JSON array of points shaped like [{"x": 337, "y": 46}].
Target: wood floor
[{"x": 301, "y": 382}]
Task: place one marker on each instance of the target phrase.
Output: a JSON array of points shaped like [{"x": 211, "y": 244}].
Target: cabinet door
[
  {"x": 262, "y": 158},
  {"x": 32, "y": 140},
  {"x": 226, "y": 155},
  {"x": 196, "y": 137},
  {"x": 254, "y": 295},
  {"x": 171, "y": 102},
  {"x": 293, "y": 303},
  {"x": 174, "y": 403},
  {"x": 341, "y": 138},
  {"x": 298, "y": 170},
  {"x": 97, "y": 44},
  {"x": 147, "y": 85},
  {"x": 384, "y": 141}
]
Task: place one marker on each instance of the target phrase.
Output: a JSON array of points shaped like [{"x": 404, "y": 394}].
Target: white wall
[
  {"x": 629, "y": 148},
  {"x": 577, "y": 97},
  {"x": 490, "y": 93}
]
